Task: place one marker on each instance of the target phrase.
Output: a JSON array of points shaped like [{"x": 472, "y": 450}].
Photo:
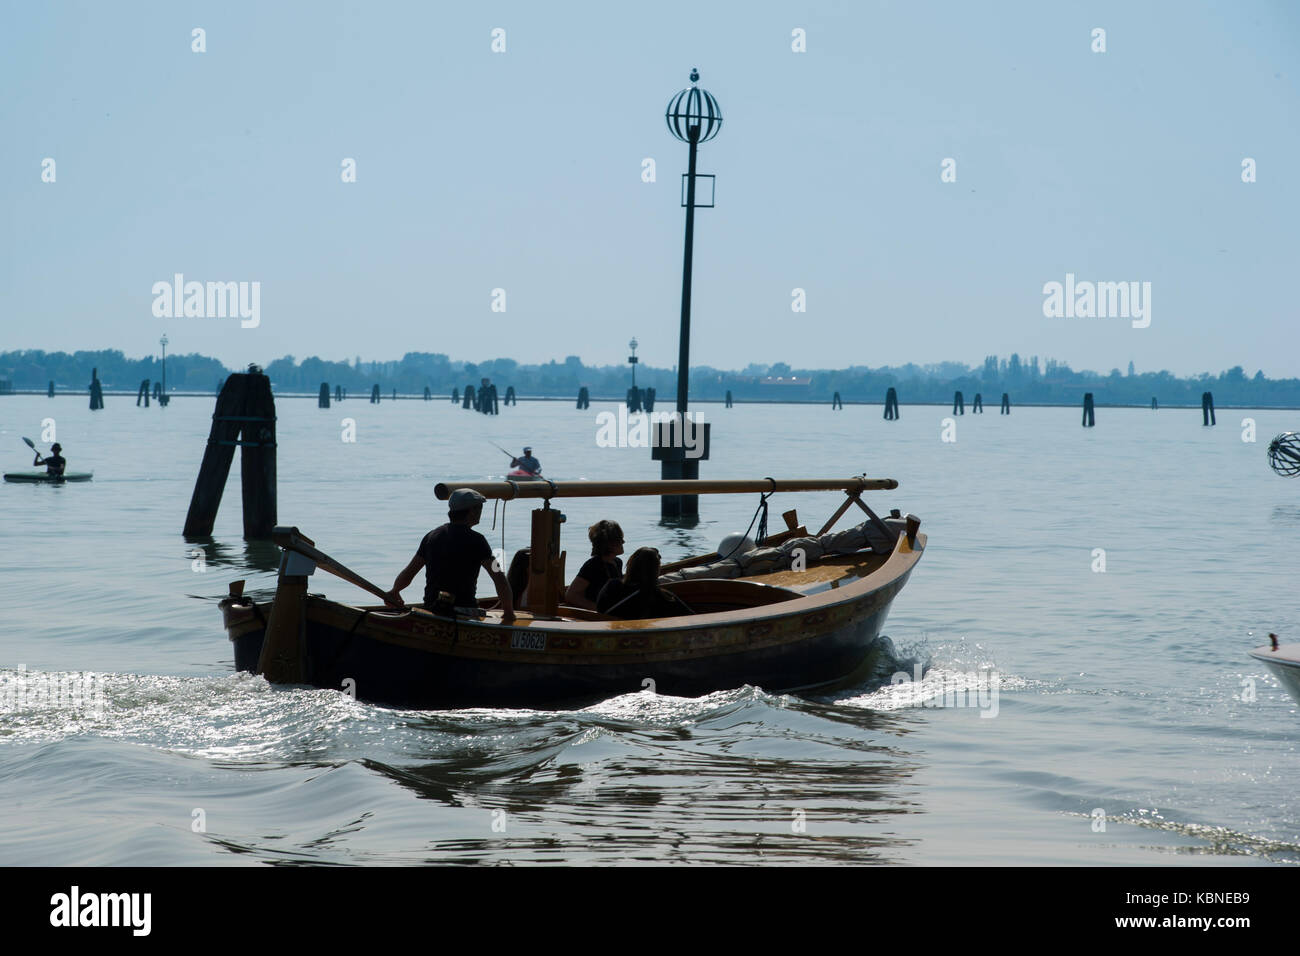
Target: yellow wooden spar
[{"x": 545, "y": 488}]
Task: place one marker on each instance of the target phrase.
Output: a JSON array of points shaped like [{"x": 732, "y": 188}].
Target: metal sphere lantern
[
  {"x": 693, "y": 114},
  {"x": 1284, "y": 454}
]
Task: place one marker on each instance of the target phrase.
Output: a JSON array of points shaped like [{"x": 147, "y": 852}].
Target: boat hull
[
  {"x": 417, "y": 659},
  {"x": 1285, "y": 665},
  {"x": 41, "y": 478}
]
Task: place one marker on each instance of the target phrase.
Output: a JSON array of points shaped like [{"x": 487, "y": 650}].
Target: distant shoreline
[{"x": 364, "y": 399}]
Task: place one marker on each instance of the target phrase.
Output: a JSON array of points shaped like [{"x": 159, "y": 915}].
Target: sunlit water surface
[{"x": 1130, "y": 725}]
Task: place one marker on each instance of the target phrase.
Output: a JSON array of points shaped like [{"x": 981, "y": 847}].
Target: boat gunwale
[{"x": 897, "y": 565}]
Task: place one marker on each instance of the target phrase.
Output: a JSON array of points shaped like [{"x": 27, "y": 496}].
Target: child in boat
[
  {"x": 639, "y": 595},
  {"x": 603, "y": 565},
  {"x": 517, "y": 576},
  {"x": 55, "y": 464}
]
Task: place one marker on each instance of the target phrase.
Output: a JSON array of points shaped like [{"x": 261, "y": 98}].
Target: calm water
[{"x": 1120, "y": 691}]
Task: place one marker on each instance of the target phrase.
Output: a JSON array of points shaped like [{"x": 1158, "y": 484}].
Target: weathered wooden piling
[
  {"x": 96, "y": 390},
  {"x": 584, "y": 397},
  {"x": 455, "y": 396},
  {"x": 837, "y": 402},
  {"x": 1089, "y": 418},
  {"x": 338, "y": 393},
  {"x": 511, "y": 398},
  {"x": 50, "y": 393},
  {"x": 1154, "y": 406},
  {"x": 158, "y": 393},
  {"x": 394, "y": 394},
  {"x": 977, "y": 406},
  {"x": 244, "y": 418},
  {"x": 958, "y": 404},
  {"x": 891, "y": 404},
  {"x": 428, "y": 395},
  {"x": 142, "y": 394},
  {"x": 633, "y": 399},
  {"x": 468, "y": 401},
  {"x": 729, "y": 402},
  {"x": 1207, "y": 408},
  {"x": 374, "y": 395},
  {"x": 323, "y": 399},
  {"x": 1006, "y": 404},
  {"x": 648, "y": 400}
]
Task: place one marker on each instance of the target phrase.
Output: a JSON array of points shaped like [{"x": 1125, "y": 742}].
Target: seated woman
[
  {"x": 603, "y": 565},
  {"x": 639, "y": 595}
]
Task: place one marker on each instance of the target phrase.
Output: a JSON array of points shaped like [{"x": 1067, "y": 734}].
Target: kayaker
[
  {"x": 604, "y": 565},
  {"x": 451, "y": 556},
  {"x": 55, "y": 464},
  {"x": 527, "y": 462},
  {"x": 639, "y": 595}
]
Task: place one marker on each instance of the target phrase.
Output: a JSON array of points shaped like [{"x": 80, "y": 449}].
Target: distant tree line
[{"x": 1029, "y": 381}]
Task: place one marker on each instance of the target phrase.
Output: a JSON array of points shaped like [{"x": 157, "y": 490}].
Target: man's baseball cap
[{"x": 462, "y": 499}]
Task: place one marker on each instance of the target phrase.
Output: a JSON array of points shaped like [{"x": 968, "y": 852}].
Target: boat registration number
[{"x": 528, "y": 640}]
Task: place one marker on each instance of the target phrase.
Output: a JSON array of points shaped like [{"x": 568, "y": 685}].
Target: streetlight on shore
[{"x": 162, "y": 398}]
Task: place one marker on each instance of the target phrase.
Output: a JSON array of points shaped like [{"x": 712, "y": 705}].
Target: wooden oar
[{"x": 291, "y": 539}]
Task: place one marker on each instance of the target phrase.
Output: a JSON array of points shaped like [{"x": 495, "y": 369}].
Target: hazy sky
[{"x": 522, "y": 171}]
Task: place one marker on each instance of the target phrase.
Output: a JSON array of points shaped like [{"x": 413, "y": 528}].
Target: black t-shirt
[
  {"x": 55, "y": 464},
  {"x": 452, "y": 557},
  {"x": 596, "y": 572},
  {"x": 622, "y": 600}
]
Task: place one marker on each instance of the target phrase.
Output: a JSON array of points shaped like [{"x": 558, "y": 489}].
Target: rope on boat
[{"x": 761, "y": 510}]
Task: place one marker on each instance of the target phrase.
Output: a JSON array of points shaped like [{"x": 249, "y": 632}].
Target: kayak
[
  {"x": 518, "y": 474},
  {"x": 42, "y": 478}
]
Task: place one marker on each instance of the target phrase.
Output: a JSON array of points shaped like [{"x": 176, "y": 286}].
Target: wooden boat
[
  {"x": 784, "y": 631},
  {"x": 1284, "y": 661},
  {"x": 43, "y": 478}
]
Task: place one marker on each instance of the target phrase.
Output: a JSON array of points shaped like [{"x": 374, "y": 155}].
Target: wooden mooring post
[
  {"x": 468, "y": 400},
  {"x": 374, "y": 395},
  {"x": 891, "y": 404},
  {"x": 244, "y": 419},
  {"x": 96, "y": 390},
  {"x": 584, "y": 397},
  {"x": 142, "y": 394},
  {"x": 50, "y": 393},
  {"x": 1089, "y": 418},
  {"x": 958, "y": 404},
  {"x": 1154, "y": 406},
  {"x": 837, "y": 402},
  {"x": 729, "y": 401},
  {"x": 428, "y": 395},
  {"x": 648, "y": 399},
  {"x": 977, "y": 406},
  {"x": 1006, "y": 404},
  {"x": 323, "y": 399},
  {"x": 511, "y": 397},
  {"x": 455, "y": 396},
  {"x": 1207, "y": 408}
]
